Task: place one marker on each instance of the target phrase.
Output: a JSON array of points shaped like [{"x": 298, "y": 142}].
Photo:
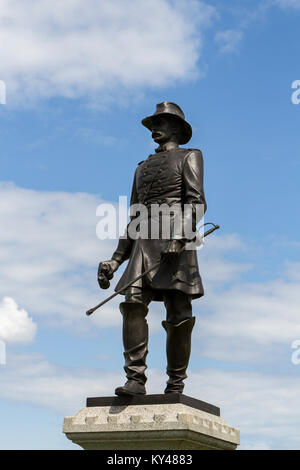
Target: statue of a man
[{"x": 172, "y": 176}]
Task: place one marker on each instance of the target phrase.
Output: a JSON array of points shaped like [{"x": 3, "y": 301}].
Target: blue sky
[{"x": 79, "y": 79}]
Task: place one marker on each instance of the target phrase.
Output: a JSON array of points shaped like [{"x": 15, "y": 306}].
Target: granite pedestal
[{"x": 150, "y": 422}]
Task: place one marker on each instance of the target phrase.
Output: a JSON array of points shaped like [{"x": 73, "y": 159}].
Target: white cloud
[
  {"x": 229, "y": 40},
  {"x": 292, "y": 270},
  {"x": 248, "y": 320},
  {"x": 15, "y": 324},
  {"x": 288, "y": 3},
  {"x": 49, "y": 254},
  {"x": 74, "y": 48},
  {"x": 33, "y": 379},
  {"x": 262, "y": 405},
  {"x": 213, "y": 260}
]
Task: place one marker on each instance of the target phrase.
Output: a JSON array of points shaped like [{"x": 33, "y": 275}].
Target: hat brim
[{"x": 186, "y": 129}]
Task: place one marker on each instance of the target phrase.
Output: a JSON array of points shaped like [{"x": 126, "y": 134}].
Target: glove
[{"x": 106, "y": 273}]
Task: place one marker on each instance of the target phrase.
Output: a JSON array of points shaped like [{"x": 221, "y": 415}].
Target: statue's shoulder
[
  {"x": 194, "y": 154},
  {"x": 194, "y": 151},
  {"x": 185, "y": 153},
  {"x": 192, "y": 159},
  {"x": 147, "y": 159}
]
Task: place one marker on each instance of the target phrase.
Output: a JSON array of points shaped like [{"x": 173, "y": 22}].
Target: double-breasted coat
[{"x": 173, "y": 177}]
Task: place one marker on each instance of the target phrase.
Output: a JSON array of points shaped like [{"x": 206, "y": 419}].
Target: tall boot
[
  {"x": 135, "y": 341},
  {"x": 178, "y": 353}
]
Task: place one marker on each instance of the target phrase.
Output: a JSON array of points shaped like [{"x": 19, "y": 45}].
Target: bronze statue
[{"x": 172, "y": 176}]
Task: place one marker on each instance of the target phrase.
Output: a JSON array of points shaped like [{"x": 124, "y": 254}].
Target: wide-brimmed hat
[{"x": 171, "y": 109}]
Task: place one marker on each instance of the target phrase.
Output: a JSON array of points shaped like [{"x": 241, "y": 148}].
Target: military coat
[{"x": 173, "y": 177}]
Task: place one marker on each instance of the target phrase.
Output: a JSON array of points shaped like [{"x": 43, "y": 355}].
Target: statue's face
[{"x": 164, "y": 129}]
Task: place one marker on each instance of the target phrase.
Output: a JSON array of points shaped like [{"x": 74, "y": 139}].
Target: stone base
[{"x": 151, "y": 422}]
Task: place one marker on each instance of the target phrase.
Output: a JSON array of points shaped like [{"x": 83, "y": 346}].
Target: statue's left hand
[{"x": 106, "y": 272}]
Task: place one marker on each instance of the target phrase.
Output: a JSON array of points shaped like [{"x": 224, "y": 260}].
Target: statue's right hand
[{"x": 106, "y": 272}]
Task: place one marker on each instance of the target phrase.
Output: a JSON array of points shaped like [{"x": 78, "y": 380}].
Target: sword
[{"x": 92, "y": 310}]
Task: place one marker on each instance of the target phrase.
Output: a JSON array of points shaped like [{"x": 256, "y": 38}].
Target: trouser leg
[
  {"x": 135, "y": 341},
  {"x": 179, "y": 326}
]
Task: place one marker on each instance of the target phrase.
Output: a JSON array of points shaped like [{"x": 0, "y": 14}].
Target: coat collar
[{"x": 167, "y": 147}]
